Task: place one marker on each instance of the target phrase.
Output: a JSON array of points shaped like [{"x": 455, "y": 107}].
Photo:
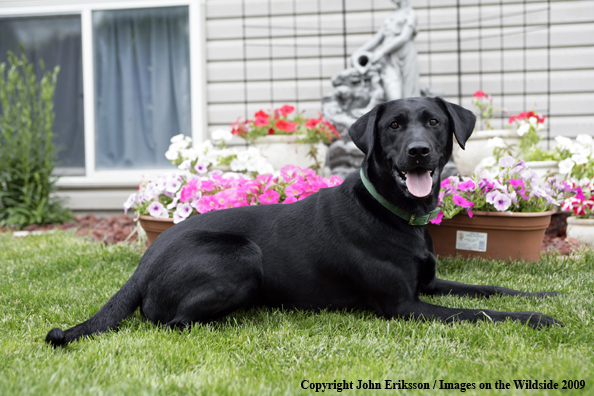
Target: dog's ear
[
  {"x": 363, "y": 130},
  {"x": 462, "y": 121}
]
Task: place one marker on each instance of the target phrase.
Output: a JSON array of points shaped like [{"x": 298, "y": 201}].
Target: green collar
[{"x": 411, "y": 218}]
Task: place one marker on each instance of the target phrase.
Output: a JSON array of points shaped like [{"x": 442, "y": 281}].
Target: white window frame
[{"x": 121, "y": 178}]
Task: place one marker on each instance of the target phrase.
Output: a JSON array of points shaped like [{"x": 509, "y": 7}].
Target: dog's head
[{"x": 407, "y": 143}]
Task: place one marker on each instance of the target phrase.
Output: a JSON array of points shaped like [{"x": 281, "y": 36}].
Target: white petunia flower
[
  {"x": 522, "y": 129},
  {"x": 496, "y": 142},
  {"x": 237, "y": 165},
  {"x": 243, "y": 155},
  {"x": 563, "y": 143},
  {"x": 579, "y": 159},
  {"x": 171, "y": 155},
  {"x": 584, "y": 139},
  {"x": 177, "y": 138},
  {"x": 566, "y": 166},
  {"x": 221, "y": 134}
]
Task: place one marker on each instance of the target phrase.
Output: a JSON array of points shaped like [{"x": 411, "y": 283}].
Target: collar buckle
[{"x": 412, "y": 219}]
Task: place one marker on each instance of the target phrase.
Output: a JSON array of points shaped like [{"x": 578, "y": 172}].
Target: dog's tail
[{"x": 118, "y": 308}]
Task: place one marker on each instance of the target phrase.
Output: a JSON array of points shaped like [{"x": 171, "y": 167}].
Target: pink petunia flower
[
  {"x": 269, "y": 197},
  {"x": 467, "y": 186},
  {"x": 438, "y": 219},
  {"x": 206, "y": 204},
  {"x": 207, "y": 185},
  {"x": 289, "y": 200},
  {"x": 188, "y": 190},
  {"x": 515, "y": 183},
  {"x": 461, "y": 201}
]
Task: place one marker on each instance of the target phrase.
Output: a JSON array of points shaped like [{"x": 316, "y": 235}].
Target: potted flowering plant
[
  {"x": 169, "y": 199},
  {"x": 508, "y": 211},
  {"x": 285, "y": 140},
  {"x": 484, "y": 136},
  {"x": 580, "y": 225}
]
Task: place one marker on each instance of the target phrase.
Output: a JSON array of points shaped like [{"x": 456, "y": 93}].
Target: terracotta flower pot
[
  {"x": 492, "y": 235},
  {"x": 154, "y": 227}
]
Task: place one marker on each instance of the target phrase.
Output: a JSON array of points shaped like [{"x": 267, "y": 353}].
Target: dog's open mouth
[{"x": 419, "y": 181}]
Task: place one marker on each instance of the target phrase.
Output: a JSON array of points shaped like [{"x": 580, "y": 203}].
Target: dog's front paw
[{"x": 536, "y": 320}]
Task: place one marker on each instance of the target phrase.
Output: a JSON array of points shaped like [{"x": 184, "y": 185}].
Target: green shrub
[{"x": 27, "y": 153}]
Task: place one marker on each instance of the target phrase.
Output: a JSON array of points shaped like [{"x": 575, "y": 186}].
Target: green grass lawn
[{"x": 59, "y": 280}]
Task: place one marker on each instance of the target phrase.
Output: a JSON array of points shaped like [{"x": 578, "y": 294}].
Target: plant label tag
[{"x": 475, "y": 241}]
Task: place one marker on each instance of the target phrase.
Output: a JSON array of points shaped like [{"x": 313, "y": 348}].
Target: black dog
[{"x": 360, "y": 245}]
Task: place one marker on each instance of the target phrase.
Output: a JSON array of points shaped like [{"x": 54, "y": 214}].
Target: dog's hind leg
[{"x": 218, "y": 274}]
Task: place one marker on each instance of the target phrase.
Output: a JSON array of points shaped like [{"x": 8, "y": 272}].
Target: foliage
[
  {"x": 183, "y": 195},
  {"x": 60, "y": 280},
  {"x": 484, "y": 104},
  {"x": 27, "y": 153},
  {"x": 528, "y": 125},
  {"x": 512, "y": 188}
]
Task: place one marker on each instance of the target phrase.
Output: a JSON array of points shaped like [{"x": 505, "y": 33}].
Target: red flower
[
  {"x": 261, "y": 119},
  {"x": 527, "y": 115},
  {"x": 479, "y": 94},
  {"x": 331, "y": 129},
  {"x": 286, "y": 109},
  {"x": 239, "y": 128},
  {"x": 312, "y": 122},
  {"x": 282, "y": 125},
  {"x": 271, "y": 131},
  {"x": 292, "y": 127}
]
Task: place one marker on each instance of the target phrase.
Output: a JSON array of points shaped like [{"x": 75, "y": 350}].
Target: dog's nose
[{"x": 418, "y": 149}]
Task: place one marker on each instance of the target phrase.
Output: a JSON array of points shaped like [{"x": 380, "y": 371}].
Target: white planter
[
  {"x": 477, "y": 148},
  {"x": 581, "y": 229},
  {"x": 544, "y": 169},
  {"x": 283, "y": 150}
]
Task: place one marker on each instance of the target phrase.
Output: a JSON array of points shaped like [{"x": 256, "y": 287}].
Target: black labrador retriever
[{"x": 360, "y": 245}]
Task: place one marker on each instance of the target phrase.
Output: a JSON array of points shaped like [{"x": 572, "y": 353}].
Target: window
[
  {"x": 130, "y": 77},
  {"x": 142, "y": 85}
]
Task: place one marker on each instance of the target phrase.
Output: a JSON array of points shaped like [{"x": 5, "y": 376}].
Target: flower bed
[{"x": 180, "y": 196}]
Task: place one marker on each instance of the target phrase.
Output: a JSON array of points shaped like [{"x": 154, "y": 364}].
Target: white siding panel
[
  {"x": 312, "y": 68},
  {"x": 225, "y": 114},
  {"x": 291, "y": 56},
  {"x": 264, "y": 91},
  {"x": 441, "y": 19}
]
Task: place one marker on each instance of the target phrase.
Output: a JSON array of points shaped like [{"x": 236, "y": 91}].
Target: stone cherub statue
[{"x": 390, "y": 72}]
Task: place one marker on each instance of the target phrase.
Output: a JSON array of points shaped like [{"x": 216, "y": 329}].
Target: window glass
[
  {"x": 56, "y": 40},
  {"x": 142, "y": 85}
]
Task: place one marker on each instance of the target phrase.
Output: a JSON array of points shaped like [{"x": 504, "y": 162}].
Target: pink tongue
[{"x": 419, "y": 183}]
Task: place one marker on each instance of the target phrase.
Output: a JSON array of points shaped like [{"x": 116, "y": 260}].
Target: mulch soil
[{"x": 117, "y": 229}]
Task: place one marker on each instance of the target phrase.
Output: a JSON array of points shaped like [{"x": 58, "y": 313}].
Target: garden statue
[{"x": 390, "y": 72}]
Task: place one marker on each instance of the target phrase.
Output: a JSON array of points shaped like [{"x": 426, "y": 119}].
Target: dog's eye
[
  {"x": 394, "y": 125},
  {"x": 433, "y": 122}
]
